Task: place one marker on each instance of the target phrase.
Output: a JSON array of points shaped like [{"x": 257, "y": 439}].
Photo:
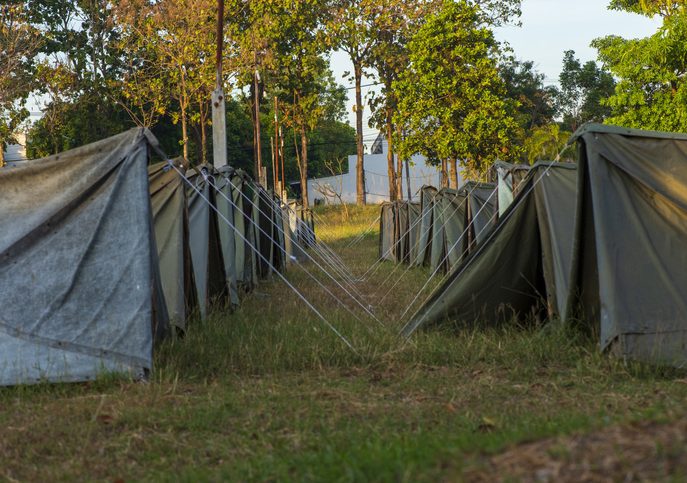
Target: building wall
[
  {"x": 16, "y": 152},
  {"x": 376, "y": 180}
]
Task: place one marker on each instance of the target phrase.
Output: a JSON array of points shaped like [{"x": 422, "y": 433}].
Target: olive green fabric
[
  {"x": 170, "y": 215},
  {"x": 398, "y": 231},
  {"x": 227, "y": 229},
  {"x": 424, "y": 244},
  {"x": 629, "y": 269},
  {"x": 387, "y": 231},
  {"x": 449, "y": 222},
  {"x": 80, "y": 285},
  {"x": 206, "y": 247},
  {"x": 524, "y": 256},
  {"x": 481, "y": 212}
]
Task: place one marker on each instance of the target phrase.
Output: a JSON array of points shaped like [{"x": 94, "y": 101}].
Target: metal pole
[
  {"x": 219, "y": 128},
  {"x": 277, "y": 187},
  {"x": 258, "y": 144}
]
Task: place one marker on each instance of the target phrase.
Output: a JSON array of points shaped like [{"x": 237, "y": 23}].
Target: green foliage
[
  {"x": 536, "y": 102},
  {"x": 452, "y": 101},
  {"x": 19, "y": 41},
  {"x": 651, "y": 92},
  {"x": 583, "y": 88},
  {"x": 544, "y": 143}
]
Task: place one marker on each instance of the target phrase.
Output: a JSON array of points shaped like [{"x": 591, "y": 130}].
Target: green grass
[{"x": 269, "y": 393}]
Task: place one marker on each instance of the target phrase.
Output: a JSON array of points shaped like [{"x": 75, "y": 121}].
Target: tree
[
  {"x": 451, "y": 98},
  {"x": 79, "y": 61},
  {"x": 544, "y": 142},
  {"x": 351, "y": 27},
  {"x": 392, "y": 29},
  {"x": 651, "y": 92},
  {"x": 180, "y": 46},
  {"x": 19, "y": 42},
  {"x": 583, "y": 87}
]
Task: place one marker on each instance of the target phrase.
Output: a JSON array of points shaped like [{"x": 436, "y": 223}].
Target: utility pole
[
  {"x": 219, "y": 128},
  {"x": 277, "y": 184},
  {"x": 410, "y": 196},
  {"x": 281, "y": 156},
  {"x": 258, "y": 144}
]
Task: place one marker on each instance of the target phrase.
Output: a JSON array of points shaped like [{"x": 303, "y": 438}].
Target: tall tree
[
  {"x": 19, "y": 42},
  {"x": 351, "y": 28},
  {"x": 302, "y": 76},
  {"x": 451, "y": 98},
  {"x": 583, "y": 87},
  {"x": 392, "y": 29},
  {"x": 651, "y": 91},
  {"x": 181, "y": 44}
]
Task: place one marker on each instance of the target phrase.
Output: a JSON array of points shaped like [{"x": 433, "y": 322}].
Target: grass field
[{"x": 270, "y": 393}]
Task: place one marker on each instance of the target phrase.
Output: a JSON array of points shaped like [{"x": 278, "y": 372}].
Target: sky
[{"x": 549, "y": 27}]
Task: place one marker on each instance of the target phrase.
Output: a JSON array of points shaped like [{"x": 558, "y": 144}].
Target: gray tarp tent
[
  {"x": 398, "y": 232},
  {"x": 481, "y": 210},
  {"x": 79, "y": 276},
  {"x": 424, "y": 244},
  {"x": 629, "y": 271},
  {"x": 170, "y": 215},
  {"x": 460, "y": 220},
  {"x": 449, "y": 219},
  {"x": 508, "y": 177},
  {"x": 229, "y": 239},
  {"x": 206, "y": 247},
  {"x": 527, "y": 254}
]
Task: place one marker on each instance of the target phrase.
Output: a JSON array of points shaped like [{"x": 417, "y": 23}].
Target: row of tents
[
  {"x": 441, "y": 229},
  {"x": 601, "y": 243},
  {"x": 103, "y": 255}
]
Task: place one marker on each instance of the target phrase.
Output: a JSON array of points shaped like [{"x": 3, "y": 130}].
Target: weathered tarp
[
  {"x": 508, "y": 178},
  {"x": 206, "y": 247},
  {"x": 78, "y": 264},
  {"x": 481, "y": 213},
  {"x": 246, "y": 258},
  {"x": 228, "y": 232},
  {"x": 424, "y": 244},
  {"x": 629, "y": 269},
  {"x": 526, "y": 255},
  {"x": 449, "y": 221},
  {"x": 398, "y": 232},
  {"x": 170, "y": 215}
]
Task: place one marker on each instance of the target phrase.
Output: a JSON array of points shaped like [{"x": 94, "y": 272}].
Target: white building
[
  {"x": 16, "y": 152},
  {"x": 376, "y": 179}
]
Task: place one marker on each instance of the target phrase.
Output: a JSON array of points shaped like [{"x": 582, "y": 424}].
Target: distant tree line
[{"x": 446, "y": 88}]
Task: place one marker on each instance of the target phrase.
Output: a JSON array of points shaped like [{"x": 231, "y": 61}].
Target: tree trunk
[
  {"x": 399, "y": 171},
  {"x": 444, "y": 174},
  {"x": 360, "y": 167},
  {"x": 304, "y": 168},
  {"x": 410, "y": 195},
  {"x": 183, "y": 104},
  {"x": 394, "y": 194},
  {"x": 454, "y": 173},
  {"x": 2, "y": 153}
]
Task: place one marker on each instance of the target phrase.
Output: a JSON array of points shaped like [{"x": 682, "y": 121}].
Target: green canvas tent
[
  {"x": 527, "y": 254},
  {"x": 206, "y": 247},
  {"x": 629, "y": 269},
  {"x": 81, "y": 291},
  {"x": 170, "y": 215}
]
